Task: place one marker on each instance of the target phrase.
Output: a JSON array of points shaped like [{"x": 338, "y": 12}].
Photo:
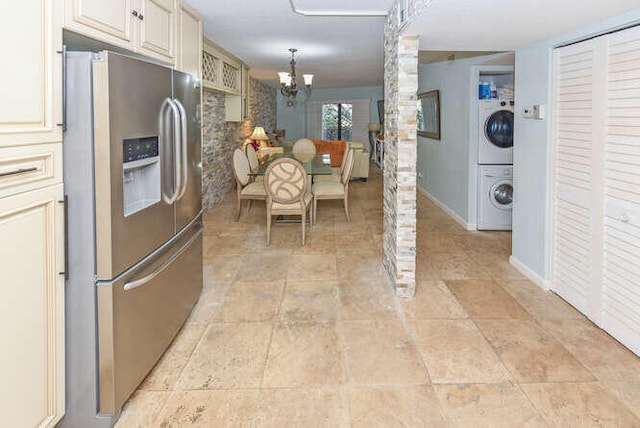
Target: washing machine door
[
  {"x": 501, "y": 194},
  {"x": 499, "y": 129}
]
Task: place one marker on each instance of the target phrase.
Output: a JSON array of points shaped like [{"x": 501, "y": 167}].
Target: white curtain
[
  {"x": 314, "y": 120},
  {"x": 360, "y": 118}
]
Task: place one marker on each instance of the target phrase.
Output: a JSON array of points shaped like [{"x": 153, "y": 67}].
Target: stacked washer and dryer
[{"x": 495, "y": 163}]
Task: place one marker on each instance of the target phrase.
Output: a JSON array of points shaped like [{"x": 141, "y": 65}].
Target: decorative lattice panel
[
  {"x": 210, "y": 67},
  {"x": 230, "y": 76}
]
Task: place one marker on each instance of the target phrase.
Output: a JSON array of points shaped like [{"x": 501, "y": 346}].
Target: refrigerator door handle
[
  {"x": 157, "y": 271},
  {"x": 177, "y": 167},
  {"x": 183, "y": 137}
]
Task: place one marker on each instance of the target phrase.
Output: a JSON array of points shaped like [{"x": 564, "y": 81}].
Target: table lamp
[{"x": 260, "y": 136}]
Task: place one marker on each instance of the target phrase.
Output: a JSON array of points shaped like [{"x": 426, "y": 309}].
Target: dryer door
[
  {"x": 499, "y": 129},
  {"x": 501, "y": 194}
]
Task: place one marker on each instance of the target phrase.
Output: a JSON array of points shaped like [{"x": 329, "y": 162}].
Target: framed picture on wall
[
  {"x": 381, "y": 111},
  {"x": 428, "y": 115}
]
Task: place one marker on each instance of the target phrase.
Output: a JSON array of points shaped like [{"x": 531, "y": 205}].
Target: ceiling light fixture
[{"x": 288, "y": 83}]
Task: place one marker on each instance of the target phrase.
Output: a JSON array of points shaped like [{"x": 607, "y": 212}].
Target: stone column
[{"x": 401, "y": 86}]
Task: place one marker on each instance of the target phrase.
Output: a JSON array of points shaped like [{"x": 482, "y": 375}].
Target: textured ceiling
[{"x": 346, "y": 51}]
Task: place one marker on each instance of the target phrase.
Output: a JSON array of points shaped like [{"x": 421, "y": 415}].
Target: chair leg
[
  {"x": 304, "y": 224},
  {"x": 249, "y": 207},
  {"x": 346, "y": 206},
  {"x": 314, "y": 216},
  {"x": 268, "y": 228},
  {"x": 239, "y": 208}
]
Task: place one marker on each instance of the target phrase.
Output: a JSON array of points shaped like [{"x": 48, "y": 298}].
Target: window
[{"x": 337, "y": 121}]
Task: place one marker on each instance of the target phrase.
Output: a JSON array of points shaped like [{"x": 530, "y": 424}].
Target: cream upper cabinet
[
  {"x": 189, "y": 54},
  {"x": 105, "y": 20},
  {"x": 156, "y": 32},
  {"x": 143, "y": 26},
  {"x": 31, "y": 106},
  {"x": 32, "y": 366}
]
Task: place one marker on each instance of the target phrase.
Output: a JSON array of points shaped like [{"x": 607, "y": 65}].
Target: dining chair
[
  {"x": 245, "y": 189},
  {"x": 334, "y": 190},
  {"x": 303, "y": 149},
  {"x": 335, "y": 175},
  {"x": 252, "y": 157},
  {"x": 285, "y": 182}
]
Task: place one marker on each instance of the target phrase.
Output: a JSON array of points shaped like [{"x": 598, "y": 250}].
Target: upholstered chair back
[
  {"x": 252, "y": 157},
  {"x": 241, "y": 167},
  {"x": 285, "y": 181}
]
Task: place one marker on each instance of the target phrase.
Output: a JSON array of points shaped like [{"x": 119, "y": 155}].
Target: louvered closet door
[
  {"x": 621, "y": 274},
  {"x": 577, "y": 137}
]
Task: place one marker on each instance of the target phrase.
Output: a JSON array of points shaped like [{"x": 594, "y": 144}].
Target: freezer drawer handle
[
  {"x": 142, "y": 281},
  {"x": 18, "y": 171}
]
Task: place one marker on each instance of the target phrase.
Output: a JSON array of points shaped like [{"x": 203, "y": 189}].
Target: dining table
[{"x": 313, "y": 164}]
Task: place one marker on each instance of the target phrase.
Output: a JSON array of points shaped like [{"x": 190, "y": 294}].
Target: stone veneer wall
[
  {"x": 220, "y": 138},
  {"x": 400, "y": 86}
]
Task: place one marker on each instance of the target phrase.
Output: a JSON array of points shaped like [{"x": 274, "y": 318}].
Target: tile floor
[{"x": 293, "y": 336}]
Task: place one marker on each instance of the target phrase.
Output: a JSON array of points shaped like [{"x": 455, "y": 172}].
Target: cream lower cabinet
[
  {"x": 32, "y": 362},
  {"x": 143, "y": 26}
]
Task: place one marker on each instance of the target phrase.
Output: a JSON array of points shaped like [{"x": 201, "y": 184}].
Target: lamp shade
[
  {"x": 258, "y": 134},
  {"x": 285, "y": 78},
  {"x": 308, "y": 79},
  {"x": 374, "y": 127}
]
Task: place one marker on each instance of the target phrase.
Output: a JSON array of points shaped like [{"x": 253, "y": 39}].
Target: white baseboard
[
  {"x": 452, "y": 214},
  {"x": 530, "y": 274}
]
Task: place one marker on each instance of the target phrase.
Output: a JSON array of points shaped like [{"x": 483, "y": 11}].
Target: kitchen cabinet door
[
  {"x": 32, "y": 308},
  {"x": 109, "y": 21},
  {"x": 31, "y": 76},
  {"x": 189, "y": 57},
  {"x": 156, "y": 29}
]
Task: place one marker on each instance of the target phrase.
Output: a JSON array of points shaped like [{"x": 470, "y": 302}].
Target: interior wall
[
  {"x": 220, "y": 138},
  {"x": 531, "y": 153},
  {"x": 294, "y": 119},
  {"x": 448, "y": 165}
]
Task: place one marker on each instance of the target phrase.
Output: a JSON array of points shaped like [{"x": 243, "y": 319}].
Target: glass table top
[{"x": 313, "y": 164}]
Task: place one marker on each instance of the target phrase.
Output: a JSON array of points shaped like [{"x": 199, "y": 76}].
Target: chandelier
[{"x": 288, "y": 83}]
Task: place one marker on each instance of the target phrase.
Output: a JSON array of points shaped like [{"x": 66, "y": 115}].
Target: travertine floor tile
[
  {"x": 166, "y": 372},
  {"x": 304, "y": 354},
  {"x": 252, "y": 301},
  {"x": 530, "y": 354},
  {"x": 497, "y": 266},
  {"x": 313, "y": 336},
  {"x": 381, "y": 352},
  {"x": 311, "y": 267},
  {"x": 457, "y": 266},
  {"x": 220, "y": 408},
  {"x": 486, "y": 300},
  {"x": 456, "y": 352},
  {"x": 395, "y": 406},
  {"x": 628, "y": 393},
  {"x": 310, "y": 301},
  {"x": 142, "y": 409},
  {"x": 599, "y": 352},
  {"x": 433, "y": 300},
  {"x": 539, "y": 303},
  {"x": 579, "y": 405},
  {"x": 302, "y": 407},
  {"x": 371, "y": 301},
  {"x": 266, "y": 267},
  {"x": 487, "y": 405},
  {"x": 229, "y": 355}
]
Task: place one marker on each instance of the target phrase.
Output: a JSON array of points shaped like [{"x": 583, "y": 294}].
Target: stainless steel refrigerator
[{"x": 133, "y": 182}]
